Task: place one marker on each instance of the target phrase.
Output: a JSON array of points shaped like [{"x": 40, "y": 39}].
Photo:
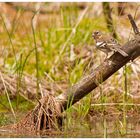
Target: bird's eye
[{"x": 97, "y": 32}]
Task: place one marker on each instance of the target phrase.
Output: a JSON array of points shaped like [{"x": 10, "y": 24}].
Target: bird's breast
[{"x": 100, "y": 43}]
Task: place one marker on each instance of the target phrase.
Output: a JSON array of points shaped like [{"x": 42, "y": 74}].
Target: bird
[{"x": 107, "y": 43}]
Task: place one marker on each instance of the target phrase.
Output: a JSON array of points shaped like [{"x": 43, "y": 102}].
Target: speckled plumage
[{"x": 107, "y": 43}]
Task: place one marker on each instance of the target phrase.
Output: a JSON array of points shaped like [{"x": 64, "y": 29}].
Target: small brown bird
[{"x": 107, "y": 43}]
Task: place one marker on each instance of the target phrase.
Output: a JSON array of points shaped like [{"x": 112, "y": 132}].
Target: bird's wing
[{"x": 118, "y": 49}]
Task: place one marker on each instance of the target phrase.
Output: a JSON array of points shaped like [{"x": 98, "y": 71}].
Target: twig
[{"x": 134, "y": 26}]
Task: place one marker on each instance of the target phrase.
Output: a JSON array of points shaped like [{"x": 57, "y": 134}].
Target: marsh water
[{"x": 100, "y": 127}]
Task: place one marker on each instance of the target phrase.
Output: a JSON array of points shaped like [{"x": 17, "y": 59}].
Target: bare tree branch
[{"x": 134, "y": 26}]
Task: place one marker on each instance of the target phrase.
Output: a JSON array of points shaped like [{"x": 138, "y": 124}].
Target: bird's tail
[{"x": 118, "y": 49}]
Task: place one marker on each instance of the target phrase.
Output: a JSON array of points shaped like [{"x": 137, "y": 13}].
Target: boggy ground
[{"x": 98, "y": 126}]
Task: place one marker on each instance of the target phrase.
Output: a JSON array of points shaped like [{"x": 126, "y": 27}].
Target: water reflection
[{"x": 94, "y": 128}]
